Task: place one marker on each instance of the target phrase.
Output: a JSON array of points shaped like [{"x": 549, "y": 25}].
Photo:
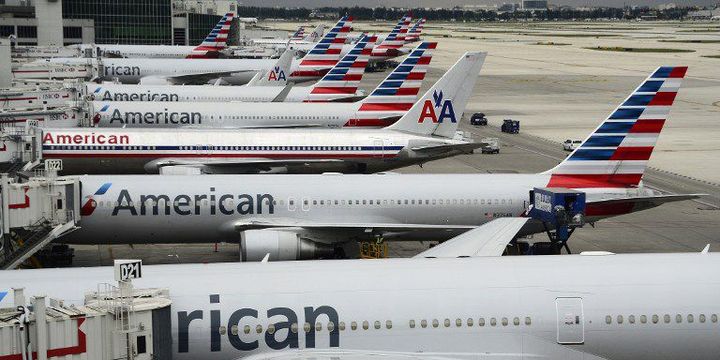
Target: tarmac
[{"x": 561, "y": 92}]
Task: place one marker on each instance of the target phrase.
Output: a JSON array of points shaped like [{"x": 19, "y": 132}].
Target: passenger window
[
  {"x": 331, "y": 326},
  {"x": 469, "y": 322},
  {"x": 713, "y": 318},
  {"x": 655, "y": 319},
  {"x": 678, "y": 318},
  {"x": 493, "y": 322},
  {"x": 294, "y": 328},
  {"x": 423, "y": 323},
  {"x": 608, "y": 319},
  {"x": 246, "y": 329},
  {"x": 446, "y": 322},
  {"x": 353, "y": 325},
  {"x": 271, "y": 329},
  {"x": 643, "y": 319},
  {"x": 365, "y": 325},
  {"x": 377, "y": 325},
  {"x": 388, "y": 324},
  {"x": 258, "y": 329},
  {"x": 516, "y": 321},
  {"x": 666, "y": 318},
  {"x": 318, "y": 326},
  {"x": 504, "y": 321},
  {"x": 481, "y": 322},
  {"x": 619, "y": 319},
  {"x": 702, "y": 318},
  {"x": 631, "y": 319},
  {"x": 306, "y": 327},
  {"x": 435, "y": 323},
  {"x": 412, "y": 324},
  {"x": 690, "y": 318}
]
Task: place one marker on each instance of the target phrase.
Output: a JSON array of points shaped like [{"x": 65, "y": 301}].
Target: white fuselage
[
  {"x": 128, "y": 151},
  {"x": 616, "y": 307},
  {"x": 215, "y": 203},
  {"x": 145, "y": 51},
  {"x": 193, "y": 93},
  {"x": 133, "y": 71},
  {"x": 155, "y": 115}
]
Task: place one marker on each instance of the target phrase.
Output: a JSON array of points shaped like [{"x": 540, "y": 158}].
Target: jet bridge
[{"x": 36, "y": 212}]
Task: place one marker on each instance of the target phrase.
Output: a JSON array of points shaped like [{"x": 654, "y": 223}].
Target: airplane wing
[
  {"x": 257, "y": 224},
  {"x": 239, "y": 165},
  {"x": 196, "y": 78},
  {"x": 489, "y": 239},
  {"x": 467, "y": 147}
]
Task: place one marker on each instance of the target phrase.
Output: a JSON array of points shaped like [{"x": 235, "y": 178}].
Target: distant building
[
  {"x": 324, "y": 15},
  {"x": 508, "y": 7},
  {"x": 207, "y": 7},
  {"x": 704, "y": 14},
  {"x": 40, "y": 22},
  {"x": 534, "y": 5}
]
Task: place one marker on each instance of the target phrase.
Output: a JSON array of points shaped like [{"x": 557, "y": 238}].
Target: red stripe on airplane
[
  {"x": 678, "y": 72},
  {"x": 333, "y": 90},
  {"x": 385, "y": 107},
  {"x": 307, "y": 62},
  {"x": 647, "y": 126},
  {"x": 250, "y": 156},
  {"x": 415, "y": 76},
  {"x": 609, "y": 209},
  {"x": 632, "y": 153},
  {"x": 407, "y": 91},
  {"x": 662, "y": 98},
  {"x": 594, "y": 180}
]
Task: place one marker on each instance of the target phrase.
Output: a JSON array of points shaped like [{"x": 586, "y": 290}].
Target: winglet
[
  {"x": 440, "y": 109},
  {"x": 489, "y": 239},
  {"x": 706, "y": 249}
]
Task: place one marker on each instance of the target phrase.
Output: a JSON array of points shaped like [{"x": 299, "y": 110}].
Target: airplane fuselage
[
  {"x": 134, "y": 151},
  {"x": 156, "y": 209},
  {"x": 646, "y": 306}
]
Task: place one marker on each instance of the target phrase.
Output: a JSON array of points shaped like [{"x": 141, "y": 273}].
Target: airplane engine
[{"x": 281, "y": 245}]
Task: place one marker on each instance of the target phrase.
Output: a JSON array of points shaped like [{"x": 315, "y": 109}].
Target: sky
[{"x": 451, "y": 3}]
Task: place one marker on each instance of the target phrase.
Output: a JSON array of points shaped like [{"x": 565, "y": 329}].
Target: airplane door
[
  {"x": 570, "y": 320},
  {"x": 378, "y": 147}
]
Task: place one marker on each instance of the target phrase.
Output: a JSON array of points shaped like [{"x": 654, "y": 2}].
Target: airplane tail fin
[
  {"x": 299, "y": 34},
  {"x": 438, "y": 111},
  {"x": 390, "y": 46},
  {"x": 326, "y": 52},
  {"x": 615, "y": 155},
  {"x": 215, "y": 41},
  {"x": 398, "y": 92},
  {"x": 415, "y": 32},
  {"x": 316, "y": 34},
  {"x": 344, "y": 78},
  {"x": 277, "y": 76}
]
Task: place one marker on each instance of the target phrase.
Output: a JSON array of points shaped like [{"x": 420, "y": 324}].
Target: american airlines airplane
[
  {"x": 325, "y": 54},
  {"x": 318, "y": 211},
  {"x": 387, "y": 103},
  {"x": 211, "y": 47},
  {"x": 592, "y": 306},
  {"x": 297, "y": 38},
  {"x": 426, "y": 132},
  {"x": 340, "y": 84}
]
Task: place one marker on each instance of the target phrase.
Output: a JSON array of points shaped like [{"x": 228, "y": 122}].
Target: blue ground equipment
[
  {"x": 560, "y": 210},
  {"x": 510, "y": 126}
]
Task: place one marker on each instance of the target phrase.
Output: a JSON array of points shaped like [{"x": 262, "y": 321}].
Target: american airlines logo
[
  {"x": 447, "y": 112},
  {"x": 164, "y": 117},
  {"x": 50, "y": 138},
  {"x": 122, "y": 71},
  {"x": 277, "y": 74},
  {"x": 108, "y": 95},
  {"x": 281, "y": 334},
  {"x": 209, "y": 203}
]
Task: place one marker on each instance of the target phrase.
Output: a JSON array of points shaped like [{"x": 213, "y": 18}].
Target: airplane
[
  {"x": 387, "y": 103},
  {"x": 416, "y": 31},
  {"x": 352, "y": 65},
  {"x": 590, "y": 306},
  {"x": 426, "y": 132},
  {"x": 315, "y": 64},
  {"x": 296, "y": 38},
  {"x": 211, "y": 47},
  {"x": 334, "y": 210},
  {"x": 388, "y": 46}
]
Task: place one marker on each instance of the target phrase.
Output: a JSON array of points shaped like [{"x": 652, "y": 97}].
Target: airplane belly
[{"x": 101, "y": 165}]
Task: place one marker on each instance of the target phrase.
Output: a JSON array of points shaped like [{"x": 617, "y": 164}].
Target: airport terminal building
[{"x": 142, "y": 22}]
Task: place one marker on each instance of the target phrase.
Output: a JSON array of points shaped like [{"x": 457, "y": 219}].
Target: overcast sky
[{"x": 451, "y": 3}]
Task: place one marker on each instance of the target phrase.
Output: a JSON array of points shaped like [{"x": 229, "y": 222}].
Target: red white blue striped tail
[
  {"x": 616, "y": 153},
  {"x": 325, "y": 54},
  {"x": 343, "y": 79},
  {"x": 415, "y": 31},
  {"x": 398, "y": 92},
  {"x": 391, "y": 46},
  {"x": 299, "y": 34},
  {"x": 215, "y": 41}
]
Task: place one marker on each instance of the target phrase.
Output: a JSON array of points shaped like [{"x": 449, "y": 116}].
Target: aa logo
[
  {"x": 277, "y": 74},
  {"x": 431, "y": 107}
]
